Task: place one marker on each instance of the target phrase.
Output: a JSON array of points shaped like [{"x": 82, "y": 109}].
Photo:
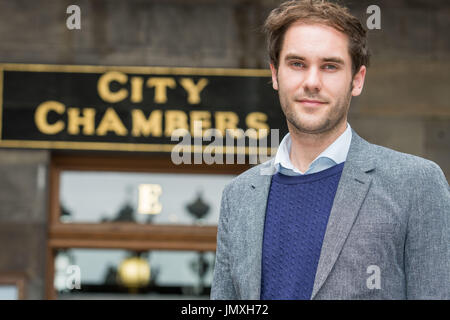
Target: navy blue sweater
[{"x": 296, "y": 219}]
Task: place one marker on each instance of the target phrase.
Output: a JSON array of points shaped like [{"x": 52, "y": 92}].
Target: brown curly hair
[{"x": 321, "y": 12}]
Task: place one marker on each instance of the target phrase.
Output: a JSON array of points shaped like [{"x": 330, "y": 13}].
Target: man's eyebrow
[
  {"x": 327, "y": 59},
  {"x": 293, "y": 57},
  {"x": 334, "y": 59}
]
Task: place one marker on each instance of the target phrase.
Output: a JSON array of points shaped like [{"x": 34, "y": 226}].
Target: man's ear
[
  {"x": 274, "y": 76},
  {"x": 358, "y": 81}
]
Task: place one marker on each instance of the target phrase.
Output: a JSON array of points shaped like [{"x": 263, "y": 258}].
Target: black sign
[{"x": 131, "y": 108}]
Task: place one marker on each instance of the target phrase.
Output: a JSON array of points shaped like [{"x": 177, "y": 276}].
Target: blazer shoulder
[{"x": 400, "y": 163}]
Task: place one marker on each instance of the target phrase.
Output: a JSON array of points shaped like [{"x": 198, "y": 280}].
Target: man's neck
[{"x": 305, "y": 147}]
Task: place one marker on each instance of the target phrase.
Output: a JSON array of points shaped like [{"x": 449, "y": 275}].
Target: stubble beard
[{"x": 335, "y": 115}]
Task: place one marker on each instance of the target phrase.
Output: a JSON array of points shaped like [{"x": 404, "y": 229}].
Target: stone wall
[{"x": 23, "y": 216}]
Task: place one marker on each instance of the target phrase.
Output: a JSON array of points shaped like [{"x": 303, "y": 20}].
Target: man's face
[{"x": 314, "y": 78}]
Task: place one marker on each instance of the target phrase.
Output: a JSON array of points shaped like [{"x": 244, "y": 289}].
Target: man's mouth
[{"x": 311, "y": 102}]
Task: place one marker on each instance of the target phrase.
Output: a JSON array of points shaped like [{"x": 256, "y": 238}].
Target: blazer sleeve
[
  {"x": 222, "y": 285},
  {"x": 427, "y": 246}
]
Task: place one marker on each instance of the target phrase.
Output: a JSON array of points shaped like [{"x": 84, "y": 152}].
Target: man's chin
[{"x": 311, "y": 128}]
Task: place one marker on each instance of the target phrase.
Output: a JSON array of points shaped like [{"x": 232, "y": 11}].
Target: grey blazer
[{"x": 387, "y": 237}]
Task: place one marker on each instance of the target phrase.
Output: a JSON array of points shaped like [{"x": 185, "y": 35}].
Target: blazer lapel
[
  {"x": 352, "y": 189},
  {"x": 259, "y": 190}
]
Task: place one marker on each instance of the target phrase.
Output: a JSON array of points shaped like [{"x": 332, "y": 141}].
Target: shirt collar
[{"x": 336, "y": 152}]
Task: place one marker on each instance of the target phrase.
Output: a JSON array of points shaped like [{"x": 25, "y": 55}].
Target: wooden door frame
[
  {"x": 123, "y": 235},
  {"x": 16, "y": 279}
]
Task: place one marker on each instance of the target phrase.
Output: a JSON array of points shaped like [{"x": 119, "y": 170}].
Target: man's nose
[{"x": 312, "y": 81}]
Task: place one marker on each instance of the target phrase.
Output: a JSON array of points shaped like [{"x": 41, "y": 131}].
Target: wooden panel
[
  {"x": 15, "y": 279},
  {"x": 154, "y": 163},
  {"x": 132, "y": 244},
  {"x": 50, "y": 293},
  {"x": 133, "y": 236}
]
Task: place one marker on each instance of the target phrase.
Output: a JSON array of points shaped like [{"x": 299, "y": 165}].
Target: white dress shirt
[{"x": 334, "y": 154}]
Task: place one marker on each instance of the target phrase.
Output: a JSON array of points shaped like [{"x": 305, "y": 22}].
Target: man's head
[{"x": 318, "y": 54}]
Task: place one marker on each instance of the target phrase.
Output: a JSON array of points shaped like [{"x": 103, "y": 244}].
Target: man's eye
[
  {"x": 330, "y": 67},
  {"x": 298, "y": 64}
]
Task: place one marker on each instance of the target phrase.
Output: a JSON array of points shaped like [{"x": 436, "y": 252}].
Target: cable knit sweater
[{"x": 296, "y": 219}]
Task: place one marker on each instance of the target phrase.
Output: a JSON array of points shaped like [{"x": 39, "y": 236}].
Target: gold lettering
[
  {"x": 40, "y": 117},
  {"x": 203, "y": 117},
  {"x": 160, "y": 85},
  {"x": 75, "y": 121},
  {"x": 149, "y": 199},
  {"x": 174, "y": 120},
  {"x": 136, "y": 89},
  {"x": 145, "y": 127},
  {"x": 103, "y": 86},
  {"x": 227, "y": 120},
  {"x": 193, "y": 89},
  {"x": 257, "y": 120},
  {"x": 111, "y": 122}
]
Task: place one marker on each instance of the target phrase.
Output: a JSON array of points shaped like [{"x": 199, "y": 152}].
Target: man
[{"x": 340, "y": 218}]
